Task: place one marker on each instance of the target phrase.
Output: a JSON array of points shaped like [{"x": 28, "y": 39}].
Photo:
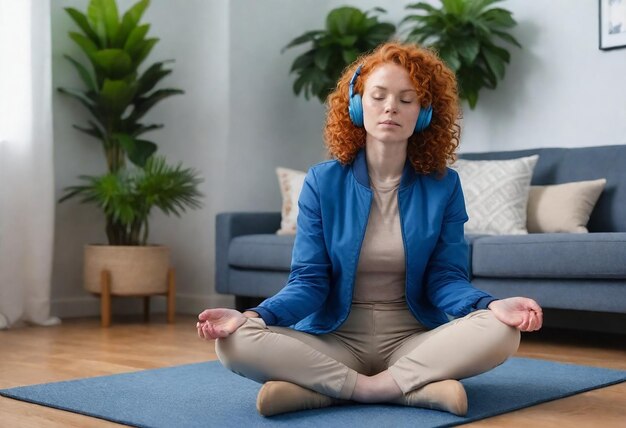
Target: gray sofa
[{"x": 583, "y": 272}]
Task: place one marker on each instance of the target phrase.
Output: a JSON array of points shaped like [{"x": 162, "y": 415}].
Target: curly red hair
[{"x": 429, "y": 150}]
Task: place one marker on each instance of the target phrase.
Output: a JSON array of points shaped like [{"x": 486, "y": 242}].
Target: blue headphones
[{"x": 355, "y": 108}]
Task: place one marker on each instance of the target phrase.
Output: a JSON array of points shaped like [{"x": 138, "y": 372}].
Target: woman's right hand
[{"x": 219, "y": 323}]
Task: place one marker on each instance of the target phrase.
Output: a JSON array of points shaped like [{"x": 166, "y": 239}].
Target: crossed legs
[{"x": 420, "y": 370}]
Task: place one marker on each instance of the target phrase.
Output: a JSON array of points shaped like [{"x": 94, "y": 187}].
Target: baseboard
[
  {"x": 88, "y": 306},
  {"x": 606, "y": 322}
]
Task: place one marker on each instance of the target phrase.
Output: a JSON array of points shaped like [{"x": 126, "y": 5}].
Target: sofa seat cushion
[
  {"x": 551, "y": 255},
  {"x": 265, "y": 251}
]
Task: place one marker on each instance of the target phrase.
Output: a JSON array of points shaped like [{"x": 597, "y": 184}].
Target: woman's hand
[
  {"x": 219, "y": 323},
  {"x": 520, "y": 312}
]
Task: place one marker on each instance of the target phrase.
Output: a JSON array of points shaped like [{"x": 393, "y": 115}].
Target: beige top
[{"x": 380, "y": 275}]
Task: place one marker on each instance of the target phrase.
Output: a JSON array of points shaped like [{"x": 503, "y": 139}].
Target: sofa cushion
[
  {"x": 551, "y": 255},
  {"x": 273, "y": 252},
  {"x": 265, "y": 251}
]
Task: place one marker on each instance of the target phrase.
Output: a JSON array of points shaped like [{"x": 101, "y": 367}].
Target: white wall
[{"x": 239, "y": 119}]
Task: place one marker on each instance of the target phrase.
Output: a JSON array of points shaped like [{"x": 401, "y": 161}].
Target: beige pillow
[
  {"x": 563, "y": 207},
  {"x": 290, "y": 182}
]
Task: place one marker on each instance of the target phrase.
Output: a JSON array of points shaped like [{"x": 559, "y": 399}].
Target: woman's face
[{"x": 390, "y": 104}]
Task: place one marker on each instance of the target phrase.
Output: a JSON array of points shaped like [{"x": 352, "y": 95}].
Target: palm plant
[
  {"x": 466, "y": 33},
  {"x": 117, "y": 97},
  {"x": 127, "y": 197},
  {"x": 349, "y": 32}
]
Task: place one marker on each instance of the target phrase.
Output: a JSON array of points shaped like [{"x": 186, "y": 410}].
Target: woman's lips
[{"x": 389, "y": 123}]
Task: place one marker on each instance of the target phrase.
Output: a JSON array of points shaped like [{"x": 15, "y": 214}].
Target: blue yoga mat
[{"x": 207, "y": 395}]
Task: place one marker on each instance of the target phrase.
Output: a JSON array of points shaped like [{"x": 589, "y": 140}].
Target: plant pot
[{"x": 133, "y": 270}]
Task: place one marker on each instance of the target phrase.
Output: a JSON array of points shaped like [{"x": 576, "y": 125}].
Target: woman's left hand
[{"x": 520, "y": 312}]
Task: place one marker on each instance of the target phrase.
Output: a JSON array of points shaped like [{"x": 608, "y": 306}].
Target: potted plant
[
  {"x": 349, "y": 32},
  {"x": 467, "y": 36},
  {"x": 117, "y": 97}
]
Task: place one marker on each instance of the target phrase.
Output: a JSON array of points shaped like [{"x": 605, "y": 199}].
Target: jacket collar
[{"x": 359, "y": 166}]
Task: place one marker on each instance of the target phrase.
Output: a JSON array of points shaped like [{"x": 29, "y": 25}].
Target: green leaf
[
  {"x": 507, "y": 37},
  {"x": 116, "y": 96},
  {"x": 303, "y": 61},
  {"x": 146, "y": 47},
  {"x": 321, "y": 58},
  {"x": 348, "y": 41},
  {"x": 103, "y": 17},
  {"x": 494, "y": 62},
  {"x": 476, "y": 7},
  {"x": 381, "y": 32},
  {"x": 136, "y": 36},
  {"x": 349, "y": 56},
  {"x": 141, "y": 129},
  {"x": 115, "y": 63},
  {"x": 299, "y": 83},
  {"x": 499, "y": 18},
  {"x": 359, "y": 23},
  {"x": 379, "y": 10},
  {"x": 472, "y": 98},
  {"x": 138, "y": 151},
  {"x": 93, "y": 131},
  {"x": 450, "y": 56},
  {"x": 152, "y": 76},
  {"x": 454, "y": 7},
  {"x": 86, "y": 100},
  {"x": 80, "y": 96},
  {"x": 502, "y": 53},
  {"x": 423, "y": 6},
  {"x": 85, "y": 44},
  {"x": 309, "y": 36},
  {"x": 81, "y": 20},
  {"x": 338, "y": 20},
  {"x": 143, "y": 104},
  {"x": 129, "y": 22},
  {"x": 468, "y": 49},
  {"x": 83, "y": 73}
]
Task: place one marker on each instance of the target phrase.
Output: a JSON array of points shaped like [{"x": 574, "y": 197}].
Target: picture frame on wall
[{"x": 612, "y": 24}]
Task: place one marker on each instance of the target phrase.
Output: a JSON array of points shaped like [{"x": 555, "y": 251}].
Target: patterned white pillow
[
  {"x": 496, "y": 194},
  {"x": 290, "y": 181}
]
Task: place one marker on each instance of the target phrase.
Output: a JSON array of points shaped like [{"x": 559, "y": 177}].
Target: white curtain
[{"x": 26, "y": 163}]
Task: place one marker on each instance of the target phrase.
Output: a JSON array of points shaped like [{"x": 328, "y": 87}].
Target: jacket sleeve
[
  {"x": 447, "y": 278},
  {"x": 309, "y": 280}
]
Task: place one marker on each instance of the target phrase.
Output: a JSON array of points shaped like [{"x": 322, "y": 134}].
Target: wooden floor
[{"x": 80, "y": 348}]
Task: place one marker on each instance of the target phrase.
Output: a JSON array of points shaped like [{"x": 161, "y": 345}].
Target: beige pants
[{"x": 375, "y": 337}]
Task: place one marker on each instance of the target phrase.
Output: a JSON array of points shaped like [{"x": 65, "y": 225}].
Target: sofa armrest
[{"x": 229, "y": 225}]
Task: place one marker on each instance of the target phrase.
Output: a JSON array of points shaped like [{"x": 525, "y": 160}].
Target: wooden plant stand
[{"x": 106, "y": 295}]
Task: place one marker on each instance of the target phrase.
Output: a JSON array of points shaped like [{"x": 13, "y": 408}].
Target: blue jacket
[{"x": 334, "y": 208}]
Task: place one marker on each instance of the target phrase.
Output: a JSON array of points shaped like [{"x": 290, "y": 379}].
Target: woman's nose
[{"x": 391, "y": 106}]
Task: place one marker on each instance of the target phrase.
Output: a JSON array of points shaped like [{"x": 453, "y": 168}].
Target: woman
[{"x": 379, "y": 260}]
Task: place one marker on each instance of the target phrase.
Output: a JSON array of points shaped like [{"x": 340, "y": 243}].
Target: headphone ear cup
[
  {"x": 424, "y": 118},
  {"x": 355, "y": 109}
]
